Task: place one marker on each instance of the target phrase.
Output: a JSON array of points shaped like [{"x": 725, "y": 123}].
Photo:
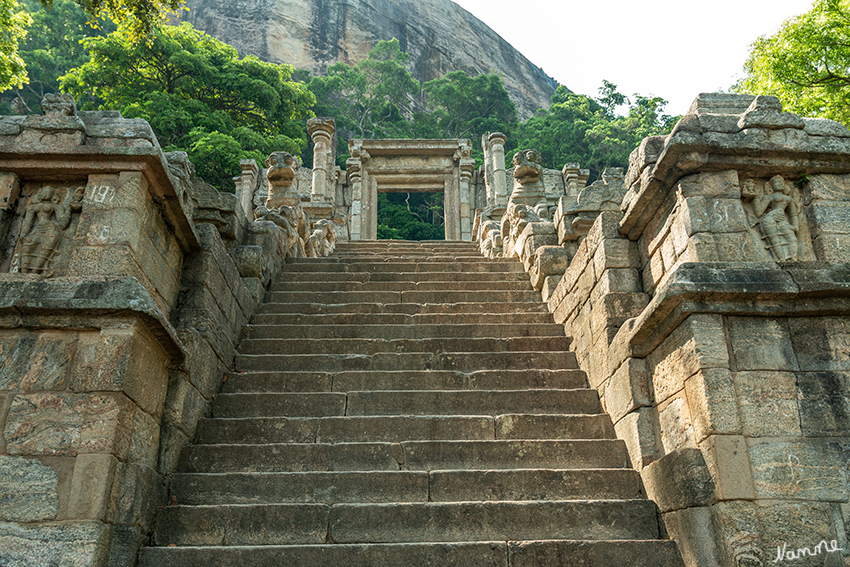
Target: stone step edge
[{"x": 613, "y": 553}]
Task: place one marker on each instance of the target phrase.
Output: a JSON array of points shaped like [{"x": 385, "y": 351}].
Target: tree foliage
[
  {"x": 411, "y": 216},
  {"x": 13, "y": 28},
  {"x": 368, "y": 100},
  {"x": 52, "y": 47},
  {"x": 466, "y": 107},
  {"x": 806, "y": 63},
  {"x": 197, "y": 95},
  {"x": 588, "y": 131}
]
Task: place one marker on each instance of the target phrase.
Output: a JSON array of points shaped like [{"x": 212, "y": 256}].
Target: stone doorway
[{"x": 402, "y": 166}]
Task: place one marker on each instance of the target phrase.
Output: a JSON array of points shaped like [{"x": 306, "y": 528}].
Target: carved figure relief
[
  {"x": 48, "y": 215},
  {"x": 774, "y": 210}
]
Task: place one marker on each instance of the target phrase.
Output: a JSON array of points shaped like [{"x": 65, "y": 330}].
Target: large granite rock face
[{"x": 311, "y": 34}]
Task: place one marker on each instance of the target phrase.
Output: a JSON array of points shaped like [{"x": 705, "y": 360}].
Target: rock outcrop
[{"x": 439, "y": 35}]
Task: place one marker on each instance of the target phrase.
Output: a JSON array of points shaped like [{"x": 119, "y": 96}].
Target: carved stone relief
[
  {"x": 774, "y": 210},
  {"x": 46, "y": 223}
]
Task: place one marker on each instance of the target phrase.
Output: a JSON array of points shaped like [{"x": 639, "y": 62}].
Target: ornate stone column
[
  {"x": 246, "y": 185},
  {"x": 353, "y": 169},
  {"x": 466, "y": 166},
  {"x": 321, "y": 131},
  {"x": 497, "y": 151}
]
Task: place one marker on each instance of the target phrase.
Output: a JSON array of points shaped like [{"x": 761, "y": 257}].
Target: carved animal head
[
  {"x": 528, "y": 166},
  {"x": 282, "y": 167}
]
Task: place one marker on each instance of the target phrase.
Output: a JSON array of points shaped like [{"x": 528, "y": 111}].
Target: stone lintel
[
  {"x": 83, "y": 161},
  {"x": 26, "y": 294},
  {"x": 750, "y": 289},
  {"x": 411, "y": 147}
]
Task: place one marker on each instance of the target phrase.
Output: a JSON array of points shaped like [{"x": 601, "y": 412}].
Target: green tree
[
  {"x": 52, "y": 47},
  {"x": 806, "y": 63},
  {"x": 13, "y": 28},
  {"x": 197, "y": 95},
  {"x": 140, "y": 17},
  {"x": 466, "y": 107},
  {"x": 370, "y": 99},
  {"x": 460, "y": 106},
  {"x": 410, "y": 216},
  {"x": 581, "y": 129}
]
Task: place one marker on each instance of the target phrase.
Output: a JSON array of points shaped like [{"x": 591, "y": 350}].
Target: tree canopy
[
  {"x": 13, "y": 28},
  {"x": 368, "y": 100},
  {"x": 806, "y": 63},
  {"x": 588, "y": 131},
  {"x": 198, "y": 96},
  {"x": 52, "y": 47},
  {"x": 140, "y": 17}
]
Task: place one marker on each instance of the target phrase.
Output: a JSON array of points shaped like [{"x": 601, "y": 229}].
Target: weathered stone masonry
[
  {"x": 705, "y": 289},
  {"x": 126, "y": 282},
  {"x": 710, "y": 311}
]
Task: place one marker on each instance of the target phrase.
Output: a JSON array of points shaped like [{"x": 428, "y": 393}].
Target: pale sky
[{"x": 674, "y": 49}]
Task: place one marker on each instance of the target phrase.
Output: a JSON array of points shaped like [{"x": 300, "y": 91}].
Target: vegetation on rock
[{"x": 806, "y": 63}]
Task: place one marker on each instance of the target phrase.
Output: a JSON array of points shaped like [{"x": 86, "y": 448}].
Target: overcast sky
[{"x": 674, "y": 49}]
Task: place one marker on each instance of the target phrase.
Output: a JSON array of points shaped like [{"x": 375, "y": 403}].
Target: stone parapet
[
  {"x": 118, "y": 320},
  {"x": 710, "y": 313}
]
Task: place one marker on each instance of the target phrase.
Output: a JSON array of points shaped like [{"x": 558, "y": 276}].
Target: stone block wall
[
  {"x": 119, "y": 317},
  {"x": 711, "y": 313},
  {"x": 85, "y": 366}
]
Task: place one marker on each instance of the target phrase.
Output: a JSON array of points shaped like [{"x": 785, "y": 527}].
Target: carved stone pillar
[
  {"x": 321, "y": 131},
  {"x": 497, "y": 151},
  {"x": 575, "y": 179},
  {"x": 246, "y": 185},
  {"x": 353, "y": 169},
  {"x": 466, "y": 167},
  {"x": 369, "y": 212}
]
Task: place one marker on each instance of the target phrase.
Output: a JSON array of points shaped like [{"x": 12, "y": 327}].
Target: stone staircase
[{"x": 403, "y": 404}]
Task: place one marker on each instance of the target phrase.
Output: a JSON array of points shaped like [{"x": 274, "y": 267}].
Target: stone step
[
  {"x": 341, "y": 346},
  {"x": 405, "y": 486},
  {"x": 408, "y": 402},
  {"x": 515, "y": 309},
  {"x": 447, "y": 296},
  {"x": 403, "y": 331},
  {"x": 400, "y": 277},
  {"x": 462, "y": 361},
  {"x": 407, "y": 455},
  {"x": 348, "y": 286},
  {"x": 395, "y": 429},
  {"x": 281, "y": 524},
  {"x": 284, "y": 319},
  {"x": 402, "y": 257},
  {"x": 236, "y": 382},
  {"x": 326, "y": 265},
  {"x": 548, "y": 553}
]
